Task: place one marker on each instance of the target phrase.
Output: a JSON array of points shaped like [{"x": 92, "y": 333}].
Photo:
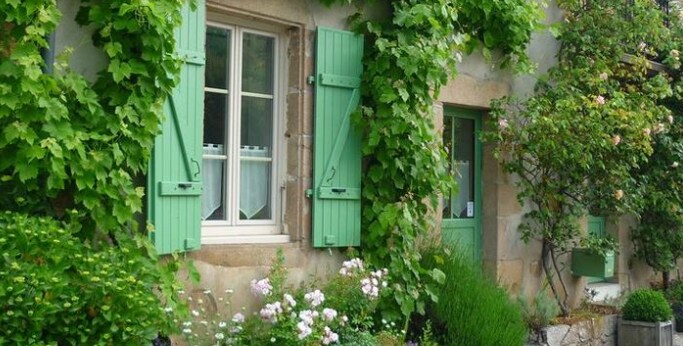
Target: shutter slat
[
  {"x": 337, "y": 145},
  {"x": 174, "y": 179}
]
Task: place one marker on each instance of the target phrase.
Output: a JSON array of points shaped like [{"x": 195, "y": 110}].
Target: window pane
[
  {"x": 215, "y": 114},
  {"x": 257, "y": 122},
  {"x": 217, "y": 57},
  {"x": 213, "y": 175},
  {"x": 255, "y": 184},
  {"x": 255, "y": 156},
  {"x": 258, "y": 63}
]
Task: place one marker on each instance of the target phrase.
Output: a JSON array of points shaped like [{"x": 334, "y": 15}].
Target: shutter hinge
[
  {"x": 309, "y": 193},
  {"x": 310, "y": 80}
]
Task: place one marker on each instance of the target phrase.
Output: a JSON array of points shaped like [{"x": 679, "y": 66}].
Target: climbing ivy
[
  {"x": 408, "y": 58},
  {"x": 67, "y": 144}
]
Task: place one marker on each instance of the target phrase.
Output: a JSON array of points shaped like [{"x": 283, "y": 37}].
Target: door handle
[
  {"x": 338, "y": 190},
  {"x": 184, "y": 185}
]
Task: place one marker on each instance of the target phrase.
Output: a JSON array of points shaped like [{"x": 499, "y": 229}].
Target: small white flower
[
  {"x": 187, "y": 331},
  {"x": 272, "y": 339},
  {"x": 616, "y": 139},
  {"x": 261, "y": 287},
  {"x": 222, "y": 324},
  {"x": 329, "y": 314},
  {"x": 503, "y": 124},
  {"x": 195, "y": 313},
  {"x": 315, "y": 298},
  {"x": 219, "y": 336},
  {"x": 238, "y": 318},
  {"x": 229, "y": 291},
  {"x": 168, "y": 309},
  {"x": 207, "y": 291},
  {"x": 675, "y": 164},
  {"x": 204, "y": 323},
  {"x": 290, "y": 300},
  {"x": 187, "y": 324}
]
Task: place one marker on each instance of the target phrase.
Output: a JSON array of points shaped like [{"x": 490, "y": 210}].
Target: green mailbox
[{"x": 586, "y": 262}]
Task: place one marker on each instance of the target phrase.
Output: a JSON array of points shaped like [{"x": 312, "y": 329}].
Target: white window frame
[{"x": 233, "y": 230}]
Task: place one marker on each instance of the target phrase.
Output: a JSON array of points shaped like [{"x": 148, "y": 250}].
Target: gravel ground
[{"x": 678, "y": 339}]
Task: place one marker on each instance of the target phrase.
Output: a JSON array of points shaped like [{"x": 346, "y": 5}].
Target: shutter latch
[{"x": 310, "y": 80}]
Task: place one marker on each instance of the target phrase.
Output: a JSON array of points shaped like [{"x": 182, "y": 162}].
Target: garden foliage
[
  {"x": 658, "y": 239},
  {"x": 577, "y": 142},
  {"x": 472, "y": 309},
  {"x": 341, "y": 311},
  {"x": 646, "y": 305},
  {"x": 57, "y": 289}
]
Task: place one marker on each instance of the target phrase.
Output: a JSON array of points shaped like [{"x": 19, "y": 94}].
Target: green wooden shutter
[
  {"x": 337, "y": 145},
  {"x": 174, "y": 180}
]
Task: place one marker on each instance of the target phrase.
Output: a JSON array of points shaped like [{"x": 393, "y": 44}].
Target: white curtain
[
  {"x": 212, "y": 176},
  {"x": 254, "y": 179}
]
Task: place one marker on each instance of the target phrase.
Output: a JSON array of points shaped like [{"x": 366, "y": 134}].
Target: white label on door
[{"x": 470, "y": 209}]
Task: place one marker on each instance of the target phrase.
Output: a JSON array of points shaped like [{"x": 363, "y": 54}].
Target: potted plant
[
  {"x": 646, "y": 320},
  {"x": 594, "y": 257},
  {"x": 675, "y": 297}
]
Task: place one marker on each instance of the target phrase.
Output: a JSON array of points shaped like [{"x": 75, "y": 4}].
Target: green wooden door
[
  {"x": 337, "y": 145},
  {"x": 174, "y": 179},
  {"x": 461, "y": 225},
  {"x": 596, "y": 227}
]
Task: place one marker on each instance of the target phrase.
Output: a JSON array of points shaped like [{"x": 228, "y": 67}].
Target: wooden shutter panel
[
  {"x": 337, "y": 145},
  {"x": 174, "y": 180}
]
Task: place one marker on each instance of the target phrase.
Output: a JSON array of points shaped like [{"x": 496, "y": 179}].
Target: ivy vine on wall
[
  {"x": 67, "y": 144},
  {"x": 408, "y": 58}
]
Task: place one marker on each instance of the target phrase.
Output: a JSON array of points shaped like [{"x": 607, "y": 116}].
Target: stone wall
[{"x": 597, "y": 331}]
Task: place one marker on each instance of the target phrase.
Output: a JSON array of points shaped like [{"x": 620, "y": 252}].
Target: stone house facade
[{"x": 266, "y": 49}]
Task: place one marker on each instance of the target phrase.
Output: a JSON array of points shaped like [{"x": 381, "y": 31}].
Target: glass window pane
[
  {"x": 213, "y": 175},
  {"x": 463, "y": 162},
  {"x": 258, "y": 55},
  {"x": 217, "y": 57},
  {"x": 215, "y": 115},
  {"x": 448, "y": 147},
  {"x": 255, "y": 158},
  {"x": 257, "y": 122},
  {"x": 255, "y": 185}
]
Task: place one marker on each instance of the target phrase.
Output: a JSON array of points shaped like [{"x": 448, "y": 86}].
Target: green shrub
[
  {"x": 56, "y": 289},
  {"x": 540, "y": 312},
  {"x": 472, "y": 309},
  {"x": 646, "y": 305}
]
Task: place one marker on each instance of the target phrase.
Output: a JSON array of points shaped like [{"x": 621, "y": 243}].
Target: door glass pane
[
  {"x": 258, "y": 54},
  {"x": 217, "y": 57},
  {"x": 461, "y": 151},
  {"x": 255, "y": 158},
  {"x": 448, "y": 147}
]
